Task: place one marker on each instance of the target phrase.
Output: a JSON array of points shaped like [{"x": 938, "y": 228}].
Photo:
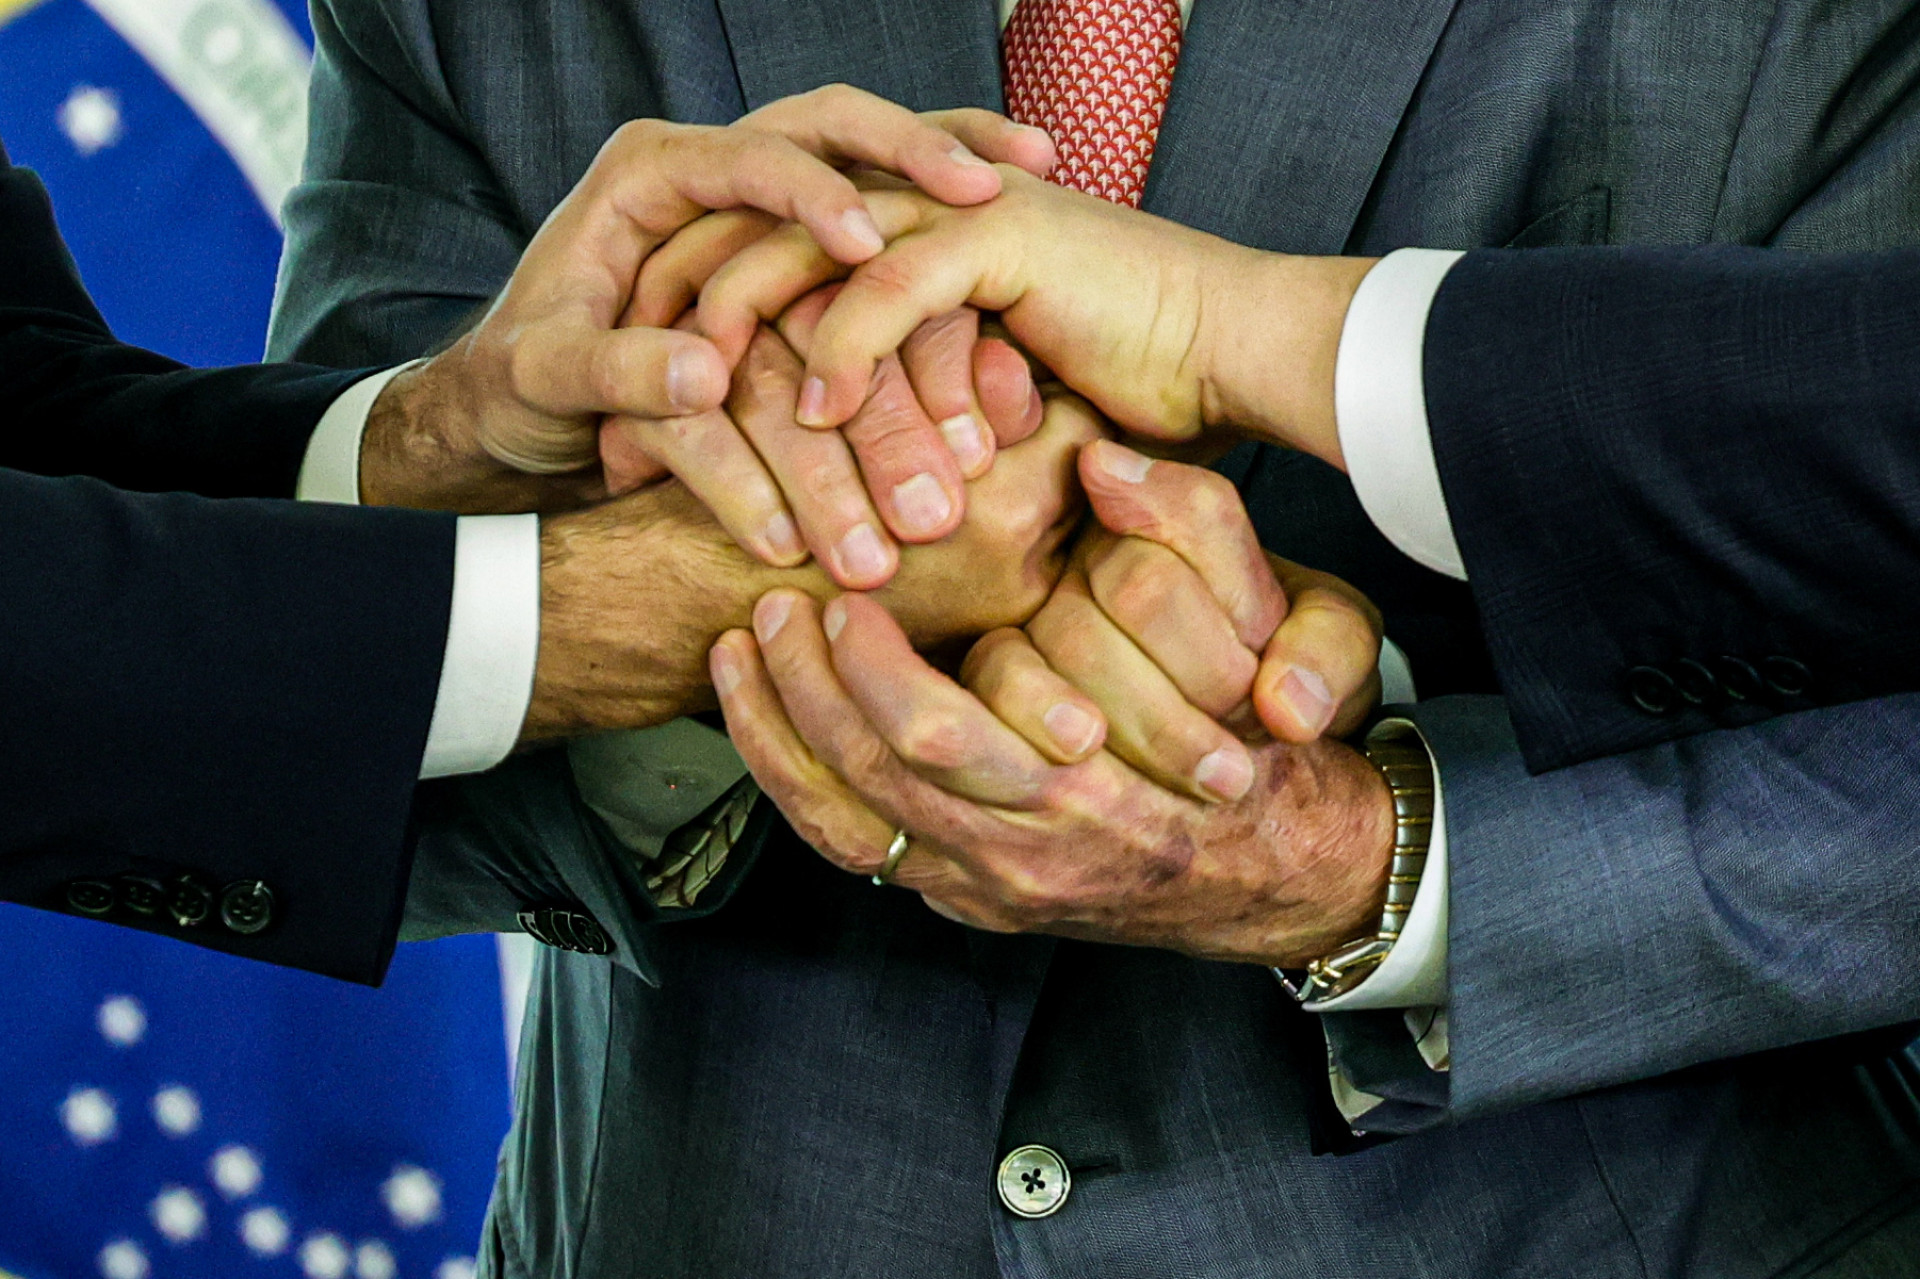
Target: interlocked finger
[
  {"x": 1321, "y": 671},
  {"x": 1150, "y": 723},
  {"x": 1166, "y": 608},
  {"x": 1007, "y": 673}
]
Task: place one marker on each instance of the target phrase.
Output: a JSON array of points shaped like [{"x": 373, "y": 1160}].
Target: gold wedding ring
[{"x": 895, "y": 851}]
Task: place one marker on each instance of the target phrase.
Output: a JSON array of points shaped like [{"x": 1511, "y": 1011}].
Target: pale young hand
[
  {"x": 854, "y": 736},
  {"x": 1172, "y": 333},
  {"x": 526, "y": 389}
]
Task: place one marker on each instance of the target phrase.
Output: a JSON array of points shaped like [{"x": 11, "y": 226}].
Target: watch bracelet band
[
  {"x": 1394, "y": 748},
  {"x": 694, "y": 854}
]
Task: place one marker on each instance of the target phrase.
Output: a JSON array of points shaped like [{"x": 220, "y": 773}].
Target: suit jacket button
[
  {"x": 1738, "y": 680},
  {"x": 246, "y": 907},
  {"x": 91, "y": 897},
  {"x": 1652, "y": 690},
  {"x": 1696, "y": 684},
  {"x": 1785, "y": 676},
  {"x": 1033, "y": 1181},
  {"x": 141, "y": 895},
  {"x": 190, "y": 902}
]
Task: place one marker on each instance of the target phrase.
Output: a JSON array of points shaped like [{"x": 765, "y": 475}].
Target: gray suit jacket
[{"x": 1666, "y": 967}]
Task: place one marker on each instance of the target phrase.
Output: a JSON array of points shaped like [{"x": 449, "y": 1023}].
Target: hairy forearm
[
  {"x": 634, "y": 593},
  {"x": 421, "y": 448}
]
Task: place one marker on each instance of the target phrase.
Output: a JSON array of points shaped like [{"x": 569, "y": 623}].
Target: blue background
[{"x": 331, "y": 1087}]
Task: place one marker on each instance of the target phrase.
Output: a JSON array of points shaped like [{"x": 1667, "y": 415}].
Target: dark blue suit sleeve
[
  {"x": 202, "y": 696},
  {"x": 1685, "y": 483}
]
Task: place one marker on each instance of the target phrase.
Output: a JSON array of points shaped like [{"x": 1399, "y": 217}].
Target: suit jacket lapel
[
  {"x": 1282, "y": 111},
  {"x": 925, "y": 54}
]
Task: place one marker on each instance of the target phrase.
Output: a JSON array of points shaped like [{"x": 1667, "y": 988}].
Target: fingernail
[
  {"x": 859, "y": 225},
  {"x": 1032, "y": 129},
  {"x": 687, "y": 380},
  {"x": 968, "y": 442},
  {"x": 782, "y": 538},
  {"x": 769, "y": 615},
  {"x": 834, "y": 620},
  {"x": 1225, "y": 774},
  {"x": 861, "y": 557},
  {"x": 1071, "y": 727},
  {"x": 1307, "y": 696},
  {"x": 921, "y": 504},
  {"x": 961, "y": 155},
  {"x": 1121, "y": 462},
  {"x": 812, "y": 410},
  {"x": 726, "y": 672}
]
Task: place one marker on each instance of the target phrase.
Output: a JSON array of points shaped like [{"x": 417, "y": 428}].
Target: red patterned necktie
[{"x": 1095, "y": 75}]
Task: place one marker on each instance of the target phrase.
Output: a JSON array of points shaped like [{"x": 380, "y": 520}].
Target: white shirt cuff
[
  {"x": 493, "y": 625},
  {"x": 1380, "y": 405},
  {"x": 330, "y": 472},
  {"x": 493, "y": 641},
  {"x": 1414, "y": 973}
]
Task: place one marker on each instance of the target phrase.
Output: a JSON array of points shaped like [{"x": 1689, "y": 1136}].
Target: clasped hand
[{"x": 1103, "y": 771}]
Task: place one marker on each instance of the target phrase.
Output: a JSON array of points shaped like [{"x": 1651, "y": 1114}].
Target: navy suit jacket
[
  {"x": 1686, "y": 483},
  {"x": 200, "y": 694}
]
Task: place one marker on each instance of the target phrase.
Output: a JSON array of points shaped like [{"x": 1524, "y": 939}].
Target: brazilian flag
[{"x": 166, "y": 1112}]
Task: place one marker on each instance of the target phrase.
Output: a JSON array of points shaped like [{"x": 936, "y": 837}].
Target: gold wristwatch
[{"x": 1393, "y": 747}]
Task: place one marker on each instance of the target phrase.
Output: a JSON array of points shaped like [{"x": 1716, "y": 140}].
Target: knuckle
[
  {"x": 983, "y": 667},
  {"x": 1135, "y": 588},
  {"x": 640, "y": 134},
  {"x": 889, "y": 276},
  {"x": 936, "y": 740},
  {"x": 1028, "y": 900},
  {"x": 1176, "y": 742},
  {"x": 608, "y": 374},
  {"x": 827, "y": 479},
  {"x": 1213, "y": 499},
  {"x": 838, "y": 96}
]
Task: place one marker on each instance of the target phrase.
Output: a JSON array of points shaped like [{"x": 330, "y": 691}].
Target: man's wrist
[
  {"x": 1272, "y": 345},
  {"x": 633, "y": 594},
  {"x": 421, "y": 448}
]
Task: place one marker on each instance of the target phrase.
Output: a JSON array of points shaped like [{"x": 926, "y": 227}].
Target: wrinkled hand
[
  {"x": 853, "y": 736},
  {"x": 526, "y": 389},
  {"x": 1172, "y": 333},
  {"x": 1178, "y": 627},
  {"x": 635, "y": 591}
]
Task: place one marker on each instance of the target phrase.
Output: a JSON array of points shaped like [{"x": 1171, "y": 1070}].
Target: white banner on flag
[{"x": 241, "y": 67}]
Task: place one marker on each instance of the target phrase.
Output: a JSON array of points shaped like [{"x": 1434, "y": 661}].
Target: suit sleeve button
[
  {"x": 1738, "y": 680},
  {"x": 190, "y": 902},
  {"x": 91, "y": 897},
  {"x": 589, "y": 938},
  {"x": 141, "y": 895},
  {"x": 1652, "y": 690},
  {"x": 1696, "y": 684},
  {"x": 1785, "y": 676},
  {"x": 246, "y": 907},
  {"x": 566, "y": 928}
]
